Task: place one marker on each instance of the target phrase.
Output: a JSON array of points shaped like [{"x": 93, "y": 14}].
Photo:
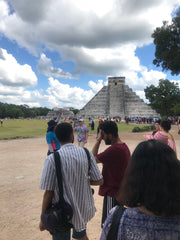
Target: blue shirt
[{"x": 51, "y": 139}]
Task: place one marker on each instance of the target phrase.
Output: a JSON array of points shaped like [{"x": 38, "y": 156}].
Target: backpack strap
[
  {"x": 113, "y": 231},
  {"x": 88, "y": 155},
  {"x": 57, "y": 160}
]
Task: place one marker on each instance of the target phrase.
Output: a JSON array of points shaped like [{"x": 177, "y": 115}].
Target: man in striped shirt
[{"x": 77, "y": 175}]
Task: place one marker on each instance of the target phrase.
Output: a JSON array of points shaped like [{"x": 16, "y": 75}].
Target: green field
[
  {"x": 34, "y": 128},
  {"x": 18, "y": 128}
]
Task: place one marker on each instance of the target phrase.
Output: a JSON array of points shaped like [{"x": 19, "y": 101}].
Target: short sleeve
[
  {"x": 48, "y": 177},
  {"x": 104, "y": 156},
  {"x": 94, "y": 171},
  {"x": 49, "y": 137}
]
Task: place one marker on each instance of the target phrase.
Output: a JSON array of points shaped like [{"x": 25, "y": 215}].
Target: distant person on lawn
[
  {"x": 52, "y": 142},
  {"x": 82, "y": 133}
]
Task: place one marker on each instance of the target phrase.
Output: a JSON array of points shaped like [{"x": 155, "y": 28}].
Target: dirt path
[{"x": 20, "y": 199}]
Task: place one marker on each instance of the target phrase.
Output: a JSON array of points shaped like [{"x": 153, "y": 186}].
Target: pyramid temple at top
[{"x": 116, "y": 100}]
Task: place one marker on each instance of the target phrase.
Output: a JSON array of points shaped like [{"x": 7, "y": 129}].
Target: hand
[
  {"x": 100, "y": 136},
  {"x": 41, "y": 226}
]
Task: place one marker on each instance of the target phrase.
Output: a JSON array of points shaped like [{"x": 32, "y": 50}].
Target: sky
[{"x": 60, "y": 53}]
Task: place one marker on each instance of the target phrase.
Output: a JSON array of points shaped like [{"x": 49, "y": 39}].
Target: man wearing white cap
[{"x": 82, "y": 133}]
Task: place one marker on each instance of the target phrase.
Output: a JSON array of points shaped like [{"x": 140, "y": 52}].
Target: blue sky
[{"x": 60, "y": 53}]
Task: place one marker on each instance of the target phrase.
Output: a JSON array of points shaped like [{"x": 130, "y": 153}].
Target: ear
[
  {"x": 110, "y": 136},
  {"x": 71, "y": 136}
]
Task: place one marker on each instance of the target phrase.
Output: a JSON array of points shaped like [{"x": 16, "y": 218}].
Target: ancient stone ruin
[
  {"x": 66, "y": 113},
  {"x": 116, "y": 100}
]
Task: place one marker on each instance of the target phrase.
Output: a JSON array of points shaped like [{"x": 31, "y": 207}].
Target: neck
[
  {"x": 64, "y": 143},
  {"x": 115, "y": 141},
  {"x": 144, "y": 209}
]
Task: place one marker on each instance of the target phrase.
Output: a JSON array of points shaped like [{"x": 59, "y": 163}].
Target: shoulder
[{"x": 49, "y": 133}]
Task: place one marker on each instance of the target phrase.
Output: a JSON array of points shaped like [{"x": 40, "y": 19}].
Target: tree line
[
  {"x": 165, "y": 98},
  {"x": 17, "y": 111}
]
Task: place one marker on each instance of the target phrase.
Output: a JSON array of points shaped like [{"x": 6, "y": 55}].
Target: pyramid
[{"x": 116, "y": 100}]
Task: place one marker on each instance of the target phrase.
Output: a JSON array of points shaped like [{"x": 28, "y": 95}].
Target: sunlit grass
[
  {"x": 23, "y": 128},
  {"x": 18, "y": 128}
]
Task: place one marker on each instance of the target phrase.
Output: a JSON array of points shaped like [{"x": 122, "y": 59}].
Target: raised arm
[{"x": 59, "y": 116}]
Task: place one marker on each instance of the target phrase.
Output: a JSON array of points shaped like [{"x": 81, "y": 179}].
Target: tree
[
  {"x": 167, "y": 41},
  {"x": 74, "y": 110},
  {"x": 16, "y": 111},
  {"x": 176, "y": 109},
  {"x": 163, "y": 97}
]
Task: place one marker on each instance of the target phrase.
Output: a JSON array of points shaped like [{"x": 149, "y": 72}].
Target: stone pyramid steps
[{"x": 116, "y": 99}]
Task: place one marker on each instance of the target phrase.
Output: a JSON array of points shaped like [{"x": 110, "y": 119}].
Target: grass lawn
[{"x": 17, "y": 128}]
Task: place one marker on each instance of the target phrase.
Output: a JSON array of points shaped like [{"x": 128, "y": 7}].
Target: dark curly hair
[
  {"x": 63, "y": 132},
  {"x": 166, "y": 125},
  {"x": 152, "y": 179},
  {"x": 109, "y": 127}
]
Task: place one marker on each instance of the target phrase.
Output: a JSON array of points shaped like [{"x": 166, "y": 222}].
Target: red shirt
[{"x": 115, "y": 160}]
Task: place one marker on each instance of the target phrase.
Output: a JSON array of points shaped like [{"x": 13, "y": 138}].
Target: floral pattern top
[{"x": 136, "y": 225}]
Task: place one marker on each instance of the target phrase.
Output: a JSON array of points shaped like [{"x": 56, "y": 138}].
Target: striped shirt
[{"x": 76, "y": 174}]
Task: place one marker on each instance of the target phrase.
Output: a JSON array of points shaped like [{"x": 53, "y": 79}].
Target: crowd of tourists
[{"x": 141, "y": 192}]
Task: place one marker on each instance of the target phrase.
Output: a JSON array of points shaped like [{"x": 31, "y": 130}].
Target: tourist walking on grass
[
  {"x": 77, "y": 175},
  {"x": 151, "y": 193},
  {"x": 82, "y": 133},
  {"x": 52, "y": 142},
  {"x": 115, "y": 160}
]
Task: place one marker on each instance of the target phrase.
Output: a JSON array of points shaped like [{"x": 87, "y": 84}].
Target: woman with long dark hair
[{"x": 151, "y": 192}]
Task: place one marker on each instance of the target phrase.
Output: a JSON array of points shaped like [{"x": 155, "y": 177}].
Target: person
[
  {"x": 1, "y": 123},
  {"x": 52, "y": 142},
  {"x": 151, "y": 192},
  {"x": 178, "y": 123},
  {"x": 77, "y": 175},
  {"x": 165, "y": 126},
  {"x": 82, "y": 133},
  {"x": 163, "y": 137},
  {"x": 92, "y": 124},
  {"x": 157, "y": 126},
  {"x": 114, "y": 159},
  {"x": 100, "y": 121}
]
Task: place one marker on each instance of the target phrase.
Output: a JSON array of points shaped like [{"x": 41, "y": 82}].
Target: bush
[
  {"x": 136, "y": 129},
  {"x": 143, "y": 128}
]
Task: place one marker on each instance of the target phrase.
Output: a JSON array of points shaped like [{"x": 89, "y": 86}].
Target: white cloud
[
  {"x": 99, "y": 37},
  {"x": 96, "y": 86},
  {"x": 84, "y": 23},
  {"x": 14, "y": 74},
  {"x": 45, "y": 66},
  {"x": 176, "y": 82},
  {"x": 145, "y": 79},
  {"x": 66, "y": 95}
]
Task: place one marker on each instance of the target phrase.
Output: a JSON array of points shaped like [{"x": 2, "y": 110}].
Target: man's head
[
  {"x": 51, "y": 125},
  {"x": 157, "y": 125},
  {"x": 165, "y": 125},
  {"x": 64, "y": 132},
  {"x": 109, "y": 131},
  {"x": 80, "y": 122}
]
